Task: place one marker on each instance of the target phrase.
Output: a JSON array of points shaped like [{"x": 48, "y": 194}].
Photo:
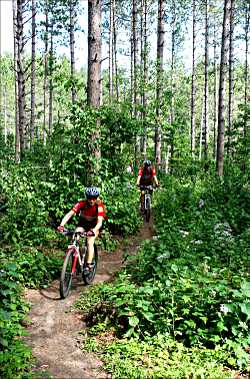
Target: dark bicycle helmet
[
  {"x": 92, "y": 192},
  {"x": 147, "y": 163}
]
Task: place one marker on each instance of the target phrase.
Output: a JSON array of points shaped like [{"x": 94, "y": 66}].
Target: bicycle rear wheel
[
  {"x": 66, "y": 274},
  {"x": 87, "y": 275},
  {"x": 147, "y": 210}
]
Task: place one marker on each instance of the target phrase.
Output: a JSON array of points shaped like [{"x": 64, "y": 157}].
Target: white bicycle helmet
[{"x": 92, "y": 192}]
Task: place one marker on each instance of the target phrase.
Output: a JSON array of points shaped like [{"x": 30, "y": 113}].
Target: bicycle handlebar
[{"x": 71, "y": 232}]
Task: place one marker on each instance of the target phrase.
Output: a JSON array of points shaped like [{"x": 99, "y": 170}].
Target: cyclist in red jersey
[
  {"x": 146, "y": 177},
  {"x": 91, "y": 215}
]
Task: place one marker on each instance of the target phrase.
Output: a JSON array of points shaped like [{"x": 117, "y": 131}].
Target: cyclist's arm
[
  {"x": 67, "y": 217},
  {"x": 98, "y": 225},
  {"x": 156, "y": 181},
  {"x": 100, "y": 217}
]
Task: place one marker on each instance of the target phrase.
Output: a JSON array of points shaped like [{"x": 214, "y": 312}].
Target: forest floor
[{"x": 55, "y": 326}]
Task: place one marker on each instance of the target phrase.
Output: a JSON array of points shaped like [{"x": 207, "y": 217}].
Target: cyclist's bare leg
[
  {"x": 90, "y": 245},
  {"x": 142, "y": 200},
  {"x": 81, "y": 230}
]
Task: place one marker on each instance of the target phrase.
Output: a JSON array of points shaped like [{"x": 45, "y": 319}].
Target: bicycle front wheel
[
  {"x": 88, "y": 275},
  {"x": 66, "y": 275}
]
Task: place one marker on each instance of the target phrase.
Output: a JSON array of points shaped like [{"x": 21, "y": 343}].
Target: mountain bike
[
  {"x": 146, "y": 201},
  {"x": 75, "y": 262}
]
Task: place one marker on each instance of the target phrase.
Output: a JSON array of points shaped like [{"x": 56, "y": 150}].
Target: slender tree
[
  {"x": 17, "y": 135},
  {"x": 206, "y": 62},
  {"x": 21, "y": 74},
  {"x": 246, "y": 80},
  {"x": 72, "y": 20},
  {"x": 193, "y": 84},
  {"x": 159, "y": 82},
  {"x": 33, "y": 74},
  {"x": 231, "y": 77},
  {"x": 94, "y": 72},
  {"x": 46, "y": 72},
  {"x": 144, "y": 66},
  {"x": 222, "y": 82}
]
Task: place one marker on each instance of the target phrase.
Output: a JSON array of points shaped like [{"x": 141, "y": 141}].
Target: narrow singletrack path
[{"x": 54, "y": 329}]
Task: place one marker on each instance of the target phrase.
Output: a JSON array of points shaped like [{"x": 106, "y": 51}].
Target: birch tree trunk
[
  {"x": 94, "y": 75},
  {"x": 193, "y": 85},
  {"x": 159, "y": 82},
  {"x": 17, "y": 136},
  {"x": 222, "y": 83},
  {"x": 33, "y": 74},
  {"x": 231, "y": 78},
  {"x": 72, "y": 17}
]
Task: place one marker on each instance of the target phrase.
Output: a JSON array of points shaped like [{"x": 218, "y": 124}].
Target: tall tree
[
  {"x": 46, "y": 72},
  {"x": 246, "y": 94},
  {"x": 193, "y": 85},
  {"x": 94, "y": 72},
  {"x": 72, "y": 20},
  {"x": 33, "y": 73},
  {"x": 159, "y": 81},
  {"x": 222, "y": 83},
  {"x": 111, "y": 56},
  {"x": 17, "y": 135},
  {"x": 21, "y": 74},
  {"x": 231, "y": 76},
  {"x": 144, "y": 79},
  {"x": 206, "y": 63}
]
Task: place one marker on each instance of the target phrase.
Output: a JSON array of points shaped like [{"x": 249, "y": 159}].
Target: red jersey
[
  {"x": 146, "y": 175},
  {"x": 88, "y": 213}
]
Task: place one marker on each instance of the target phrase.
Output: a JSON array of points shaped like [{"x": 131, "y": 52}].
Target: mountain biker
[
  {"x": 91, "y": 214},
  {"x": 146, "y": 177}
]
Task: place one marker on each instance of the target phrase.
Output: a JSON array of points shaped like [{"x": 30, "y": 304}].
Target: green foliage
[
  {"x": 191, "y": 283},
  {"x": 157, "y": 357}
]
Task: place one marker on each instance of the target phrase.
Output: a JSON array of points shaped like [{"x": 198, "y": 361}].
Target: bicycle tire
[
  {"x": 147, "y": 211},
  {"x": 88, "y": 276},
  {"x": 66, "y": 275}
]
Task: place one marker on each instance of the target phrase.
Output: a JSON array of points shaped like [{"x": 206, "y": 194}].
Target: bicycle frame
[
  {"x": 75, "y": 264},
  {"x": 147, "y": 201}
]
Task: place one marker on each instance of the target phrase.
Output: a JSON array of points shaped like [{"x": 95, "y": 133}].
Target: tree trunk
[
  {"x": 231, "y": 78},
  {"x": 215, "y": 92},
  {"x": 172, "y": 80},
  {"x": 72, "y": 16},
  {"x": 115, "y": 53},
  {"x": 193, "y": 85},
  {"x": 159, "y": 82},
  {"x": 223, "y": 72},
  {"x": 247, "y": 19},
  {"x": 51, "y": 67},
  {"x": 17, "y": 135},
  {"x": 20, "y": 75},
  {"x": 111, "y": 60},
  {"x": 206, "y": 128},
  {"x": 94, "y": 76},
  {"x": 144, "y": 64},
  {"x": 45, "y": 80},
  {"x": 33, "y": 75}
]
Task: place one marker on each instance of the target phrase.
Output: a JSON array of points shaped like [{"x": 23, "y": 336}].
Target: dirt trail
[{"x": 54, "y": 330}]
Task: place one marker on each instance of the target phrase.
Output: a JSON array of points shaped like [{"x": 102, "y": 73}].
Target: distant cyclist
[
  {"x": 146, "y": 177},
  {"x": 91, "y": 213}
]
